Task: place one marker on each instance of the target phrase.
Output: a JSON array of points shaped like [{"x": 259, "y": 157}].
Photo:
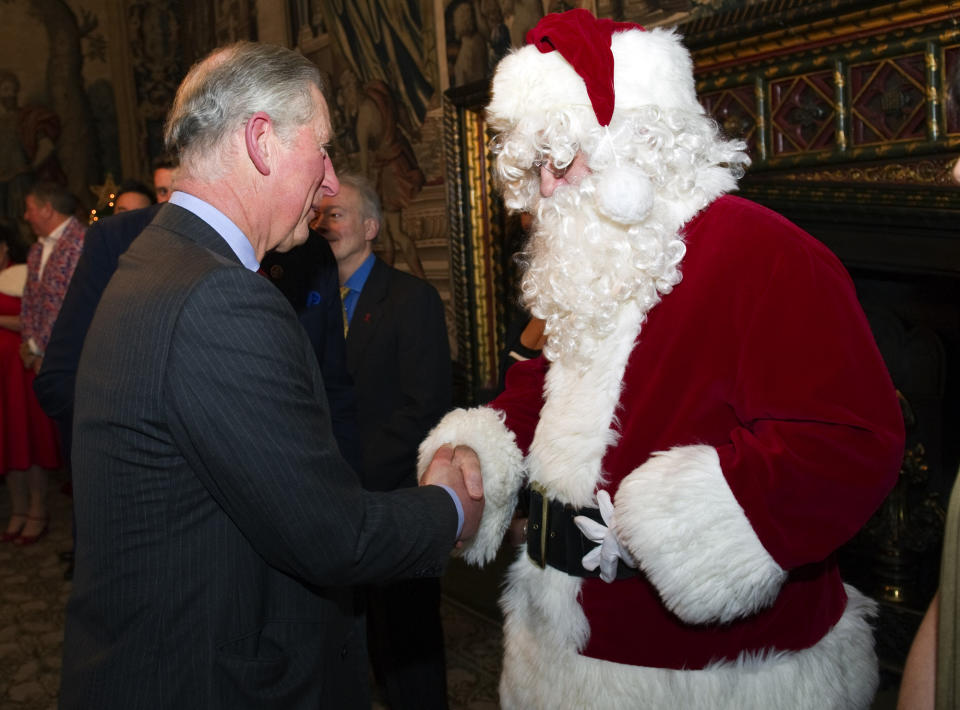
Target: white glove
[{"x": 606, "y": 554}]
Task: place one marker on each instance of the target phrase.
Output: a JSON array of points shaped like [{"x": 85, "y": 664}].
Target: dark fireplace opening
[
  {"x": 915, "y": 318},
  {"x": 904, "y": 260}
]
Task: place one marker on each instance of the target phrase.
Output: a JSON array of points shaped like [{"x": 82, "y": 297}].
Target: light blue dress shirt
[{"x": 221, "y": 224}]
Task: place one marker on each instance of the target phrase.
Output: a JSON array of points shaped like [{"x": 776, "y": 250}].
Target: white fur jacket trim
[
  {"x": 837, "y": 673},
  {"x": 501, "y": 462},
  {"x": 679, "y": 519}
]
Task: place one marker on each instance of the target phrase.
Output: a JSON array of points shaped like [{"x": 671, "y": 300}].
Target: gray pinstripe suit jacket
[{"x": 217, "y": 524}]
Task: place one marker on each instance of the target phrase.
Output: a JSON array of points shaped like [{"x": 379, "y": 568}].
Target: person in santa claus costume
[{"x": 710, "y": 408}]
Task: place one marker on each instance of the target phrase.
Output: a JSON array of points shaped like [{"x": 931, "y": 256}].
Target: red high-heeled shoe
[
  {"x": 10, "y": 536},
  {"x": 30, "y": 539}
]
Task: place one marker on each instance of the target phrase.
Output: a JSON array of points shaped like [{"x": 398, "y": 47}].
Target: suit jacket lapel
[
  {"x": 368, "y": 312},
  {"x": 186, "y": 224}
]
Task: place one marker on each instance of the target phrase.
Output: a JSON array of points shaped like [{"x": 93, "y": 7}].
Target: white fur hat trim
[{"x": 651, "y": 68}]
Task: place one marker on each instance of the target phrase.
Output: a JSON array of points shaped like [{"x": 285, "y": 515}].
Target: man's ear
[
  {"x": 257, "y": 132},
  {"x": 371, "y": 228}
]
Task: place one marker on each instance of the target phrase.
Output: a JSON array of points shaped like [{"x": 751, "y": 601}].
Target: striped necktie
[{"x": 344, "y": 291}]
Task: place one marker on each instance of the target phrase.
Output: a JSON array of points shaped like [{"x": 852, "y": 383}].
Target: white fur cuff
[
  {"x": 680, "y": 521},
  {"x": 501, "y": 463}
]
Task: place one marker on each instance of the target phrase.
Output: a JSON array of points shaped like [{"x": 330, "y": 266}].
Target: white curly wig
[{"x": 616, "y": 235}]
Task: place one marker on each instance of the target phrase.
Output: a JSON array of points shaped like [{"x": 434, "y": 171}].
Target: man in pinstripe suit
[{"x": 217, "y": 525}]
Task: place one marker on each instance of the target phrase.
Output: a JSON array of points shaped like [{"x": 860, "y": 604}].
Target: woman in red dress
[{"x": 28, "y": 438}]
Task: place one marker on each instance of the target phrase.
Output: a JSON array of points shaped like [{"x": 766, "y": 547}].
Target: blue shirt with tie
[{"x": 356, "y": 283}]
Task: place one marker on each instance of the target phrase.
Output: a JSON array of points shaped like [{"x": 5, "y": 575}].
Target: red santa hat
[
  {"x": 593, "y": 70},
  {"x": 574, "y": 61}
]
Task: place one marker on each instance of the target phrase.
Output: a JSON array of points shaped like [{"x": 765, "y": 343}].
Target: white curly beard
[{"x": 581, "y": 268}]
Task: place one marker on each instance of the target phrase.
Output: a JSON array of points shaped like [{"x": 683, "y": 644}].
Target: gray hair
[
  {"x": 369, "y": 201},
  {"x": 222, "y": 91}
]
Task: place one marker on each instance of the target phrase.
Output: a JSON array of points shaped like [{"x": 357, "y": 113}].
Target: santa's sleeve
[
  {"x": 717, "y": 528},
  {"x": 500, "y": 433}
]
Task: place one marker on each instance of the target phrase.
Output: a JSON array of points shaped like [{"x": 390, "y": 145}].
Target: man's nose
[
  {"x": 548, "y": 182},
  {"x": 330, "y": 184}
]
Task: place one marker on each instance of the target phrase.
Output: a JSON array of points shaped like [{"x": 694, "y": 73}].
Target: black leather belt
[{"x": 554, "y": 539}]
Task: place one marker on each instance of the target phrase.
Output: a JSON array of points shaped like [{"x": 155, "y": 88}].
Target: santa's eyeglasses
[{"x": 545, "y": 161}]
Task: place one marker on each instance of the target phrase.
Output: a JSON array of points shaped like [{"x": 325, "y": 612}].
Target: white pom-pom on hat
[{"x": 625, "y": 194}]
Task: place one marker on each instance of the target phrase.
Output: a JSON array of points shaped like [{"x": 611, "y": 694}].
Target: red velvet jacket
[{"x": 763, "y": 353}]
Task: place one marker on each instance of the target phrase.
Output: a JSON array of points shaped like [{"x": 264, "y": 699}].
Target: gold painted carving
[
  {"x": 935, "y": 172},
  {"x": 834, "y": 29}
]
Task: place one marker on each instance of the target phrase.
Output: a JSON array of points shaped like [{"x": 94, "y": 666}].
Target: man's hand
[
  {"x": 460, "y": 470},
  {"x": 26, "y": 355}
]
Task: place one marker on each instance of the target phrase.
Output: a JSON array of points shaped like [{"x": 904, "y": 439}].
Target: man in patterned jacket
[
  {"x": 50, "y": 264},
  {"x": 719, "y": 436}
]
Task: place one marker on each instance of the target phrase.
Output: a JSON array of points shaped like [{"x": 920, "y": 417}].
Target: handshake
[{"x": 459, "y": 469}]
